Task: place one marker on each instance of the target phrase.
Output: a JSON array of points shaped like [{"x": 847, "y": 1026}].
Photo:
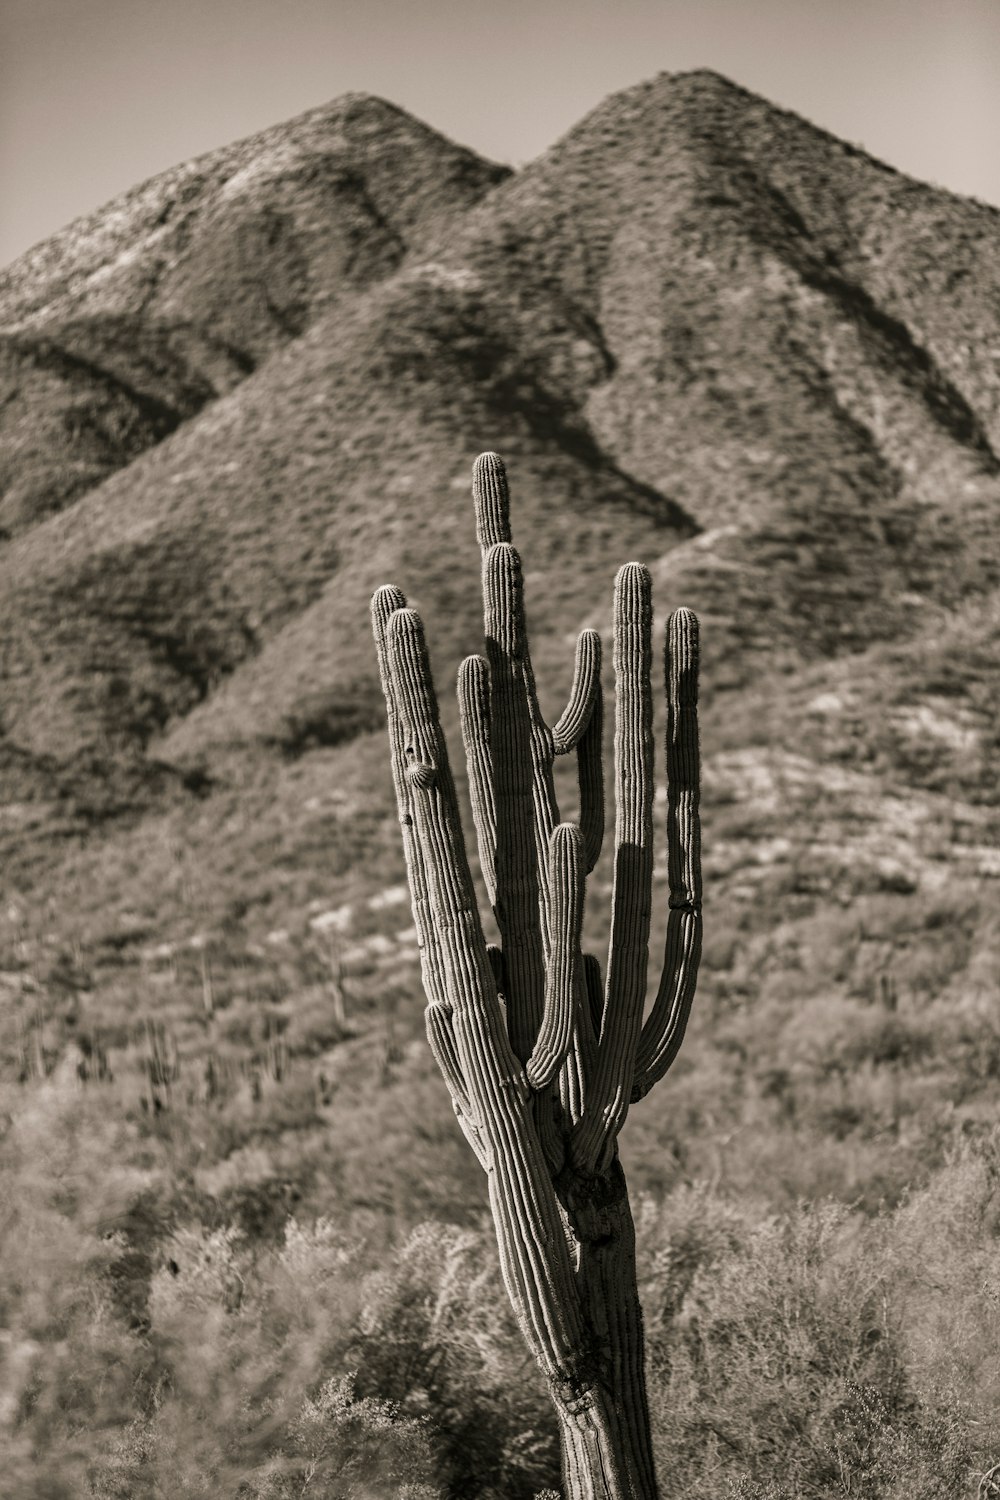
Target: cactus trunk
[
  {"x": 598, "y": 1459},
  {"x": 541, "y": 1058},
  {"x": 612, "y": 1457}
]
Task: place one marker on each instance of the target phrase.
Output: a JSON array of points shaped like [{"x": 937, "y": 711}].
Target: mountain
[
  {"x": 128, "y": 323},
  {"x": 701, "y": 331}
]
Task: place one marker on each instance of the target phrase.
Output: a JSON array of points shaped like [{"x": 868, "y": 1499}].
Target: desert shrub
[
  {"x": 946, "y": 1250},
  {"x": 72, "y": 1372},
  {"x": 437, "y": 1334},
  {"x": 282, "y": 1368},
  {"x": 329, "y": 717},
  {"x": 246, "y": 1338},
  {"x": 154, "y": 1346},
  {"x": 781, "y": 1352},
  {"x": 362, "y": 1446},
  {"x": 762, "y": 1351},
  {"x": 309, "y": 1367}
]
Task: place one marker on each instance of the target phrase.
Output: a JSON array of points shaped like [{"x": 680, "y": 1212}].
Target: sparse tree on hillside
[{"x": 542, "y": 1057}]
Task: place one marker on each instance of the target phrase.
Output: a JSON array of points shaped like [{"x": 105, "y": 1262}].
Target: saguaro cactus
[{"x": 541, "y": 1057}]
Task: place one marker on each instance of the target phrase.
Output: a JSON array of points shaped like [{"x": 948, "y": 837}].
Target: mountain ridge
[
  {"x": 142, "y": 314},
  {"x": 702, "y": 332}
]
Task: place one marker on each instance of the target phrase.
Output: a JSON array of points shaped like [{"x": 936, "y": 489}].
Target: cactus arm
[
  {"x": 385, "y": 602},
  {"x": 474, "y": 713},
  {"x": 523, "y": 799},
  {"x": 441, "y": 1038},
  {"x": 594, "y": 991},
  {"x": 581, "y": 727},
  {"x": 579, "y": 1064},
  {"x": 590, "y": 774},
  {"x": 663, "y": 1032},
  {"x": 522, "y": 885},
  {"x": 430, "y": 798},
  {"x": 492, "y": 500},
  {"x": 513, "y": 748},
  {"x": 562, "y": 971},
  {"x": 667, "y": 1022},
  {"x": 631, "y": 900},
  {"x": 681, "y": 661},
  {"x": 466, "y": 974},
  {"x": 504, "y": 620},
  {"x": 569, "y": 727}
]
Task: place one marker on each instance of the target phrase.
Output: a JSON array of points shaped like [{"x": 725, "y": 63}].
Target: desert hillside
[{"x": 703, "y": 333}]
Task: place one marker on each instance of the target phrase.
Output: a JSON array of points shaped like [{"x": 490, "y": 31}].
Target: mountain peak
[
  {"x": 354, "y": 108},
  {"x": 699, "y": 78}
]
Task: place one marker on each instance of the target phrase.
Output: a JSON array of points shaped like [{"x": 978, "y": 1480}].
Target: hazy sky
[{"x": 96, "y": 95}]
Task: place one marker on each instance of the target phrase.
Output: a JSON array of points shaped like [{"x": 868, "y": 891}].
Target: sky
[{"x": 97, "y": 95}]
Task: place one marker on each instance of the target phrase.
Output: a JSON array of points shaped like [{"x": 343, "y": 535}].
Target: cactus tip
[
  {"x": 474, "y": 671},
  {"x": 634, "y": 573},
  {"x": 566, "y": 835},
  {"x": 404, "y": 623},
  {"x": 683, "y": 633},
  {"x": 684, "y": 618},
  {"x": 388, "y": 598},
  {"x": 489, "y": 490},
  {"x": 491, "y": 461}
]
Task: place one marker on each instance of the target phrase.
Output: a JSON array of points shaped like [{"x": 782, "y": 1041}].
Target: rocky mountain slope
[
  {"x": 128, "y": 323},
  {"x": 702, "y": 332}
]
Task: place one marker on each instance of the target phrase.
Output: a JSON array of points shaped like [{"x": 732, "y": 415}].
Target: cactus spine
[{"x": 542, "y": 1058}]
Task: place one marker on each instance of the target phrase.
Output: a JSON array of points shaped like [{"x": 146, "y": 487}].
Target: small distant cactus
[
  {"x": 161, "y": 1064},
  {"x": 542, "y": 1058}
]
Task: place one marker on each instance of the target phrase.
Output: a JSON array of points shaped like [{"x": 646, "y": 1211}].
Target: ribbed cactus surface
[{"x": 541, "y": 1054}]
